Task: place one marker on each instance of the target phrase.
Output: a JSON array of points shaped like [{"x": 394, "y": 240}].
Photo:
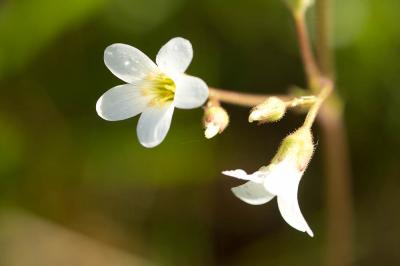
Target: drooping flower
[
  {"x": 281, "y": 178},
  {"x": 153, "y": 90}
]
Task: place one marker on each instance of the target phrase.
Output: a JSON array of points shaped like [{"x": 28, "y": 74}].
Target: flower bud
[
  {"x": 215, "y": 120},
  {"x": 271, "y": 110}
]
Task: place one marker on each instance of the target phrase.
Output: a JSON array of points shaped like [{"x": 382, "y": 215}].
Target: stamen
[{"x": 160, "y": 88}]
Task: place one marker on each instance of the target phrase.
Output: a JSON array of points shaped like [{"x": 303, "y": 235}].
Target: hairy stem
[
  {"x": 239, "y": 98},
  {"x": 315, "y": 108}
]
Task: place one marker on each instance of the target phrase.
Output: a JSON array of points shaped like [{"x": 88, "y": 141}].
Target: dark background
[{"x": 77, "y": 190}]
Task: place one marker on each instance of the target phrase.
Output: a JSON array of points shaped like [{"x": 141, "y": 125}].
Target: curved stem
[
  {"x": 240, "y": 98},
  {"x": 306, "y": 52}
]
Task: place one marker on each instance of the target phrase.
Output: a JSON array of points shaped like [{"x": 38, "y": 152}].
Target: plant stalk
[
  {"x": 339, "y": 199},
  {"x": 240, "y": 98}
]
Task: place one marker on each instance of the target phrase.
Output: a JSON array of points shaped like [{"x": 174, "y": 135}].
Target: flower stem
[
  {"x": 240, "y": 98},
  {"x": 324, "y": 37},
  {"x": 307, "y": 56},
  {"x": 313, "y": 111}
]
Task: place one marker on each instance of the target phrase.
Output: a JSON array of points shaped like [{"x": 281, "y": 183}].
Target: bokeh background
[{"x": 77, "y": 190}]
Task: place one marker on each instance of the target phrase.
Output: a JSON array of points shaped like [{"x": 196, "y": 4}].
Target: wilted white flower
[
  {"x": 281, "y": 179},
  {"x": 153, "y": 89}
]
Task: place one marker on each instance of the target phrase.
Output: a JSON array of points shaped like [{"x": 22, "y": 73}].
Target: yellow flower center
[{"x": 160, "y": 88}]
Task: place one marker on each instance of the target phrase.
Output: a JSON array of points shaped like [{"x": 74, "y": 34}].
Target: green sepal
[{"x": 298, "y": 145}]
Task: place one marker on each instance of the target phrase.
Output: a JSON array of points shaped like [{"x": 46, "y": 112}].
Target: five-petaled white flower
[
  {"x": 153, "y": 90},
  {"x": 281, "y": 179}
]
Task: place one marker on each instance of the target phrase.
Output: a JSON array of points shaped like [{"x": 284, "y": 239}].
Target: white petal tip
[
  {"x": 254, "y": 116},
  {"x": 98, "y": 107},
  {"x": 290, "y": 211},
  {"x": 252, "y": 193},
  {"x": 256, "y": 177},
  {"x": 149, "y": 145},
  {"x": 120, "y": 102},
  {"x": 175, "y": 56},
  {"x": 154, "y": 124},
  {"x": 128, "y": 63},
  {"x": 244, "y": 196},
  {"x": 238, "y": 173},
  {"x": 211, "y": 131},
  {"x": 99, "y": 110}
]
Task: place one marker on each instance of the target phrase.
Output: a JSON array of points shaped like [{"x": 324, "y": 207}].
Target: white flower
[
  {"x": 281, "y": 179},
  {"x": 153, "y": 90}
]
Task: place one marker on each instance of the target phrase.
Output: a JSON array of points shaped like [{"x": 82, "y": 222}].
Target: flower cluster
[{"x": 155, "y": 89}]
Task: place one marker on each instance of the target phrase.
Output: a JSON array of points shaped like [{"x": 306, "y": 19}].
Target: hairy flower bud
[
  {"x": 215, "y": 120},
  {"x": 271, "y": 110}
]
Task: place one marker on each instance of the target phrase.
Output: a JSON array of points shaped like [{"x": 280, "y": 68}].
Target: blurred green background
[{"x": 77, "y": 190}]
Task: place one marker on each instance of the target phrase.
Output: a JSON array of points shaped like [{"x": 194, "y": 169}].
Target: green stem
[{"x": 313, "y": 111}]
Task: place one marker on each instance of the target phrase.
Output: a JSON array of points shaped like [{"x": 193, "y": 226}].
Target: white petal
[
  {"x": 290, "y": 211},
  {"x": 211, "y": 130},
  {"x": 238, "y": 173},
  {"x": 154, "y": 124},
  {"x": 128, "y": 63},
  {"x": 283, "y": 178},
  {"x": 175, "y": 55},
  {"x": 257, "y": 177},
  {"x": 121, "y": 102},
  {"x": 252, "y": 193},
  {"x": 191, "y": 92}
]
